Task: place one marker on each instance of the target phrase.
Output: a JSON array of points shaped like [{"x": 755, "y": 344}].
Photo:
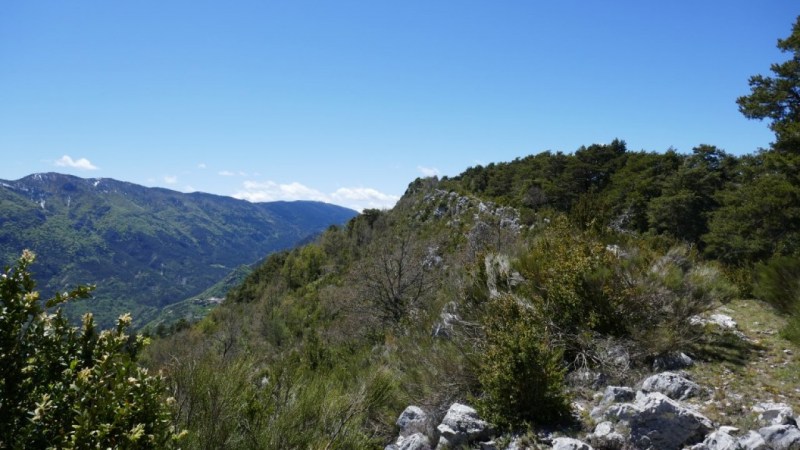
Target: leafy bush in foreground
[
  {"x": 522, "y": 374},
  {"x": 65, "y": 387}
]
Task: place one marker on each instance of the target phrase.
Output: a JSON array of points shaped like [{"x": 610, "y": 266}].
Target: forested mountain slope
[{"x": 145, "y": 248}]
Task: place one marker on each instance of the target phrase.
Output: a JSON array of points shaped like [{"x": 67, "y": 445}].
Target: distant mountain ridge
[{"x": 145, "y": 248}]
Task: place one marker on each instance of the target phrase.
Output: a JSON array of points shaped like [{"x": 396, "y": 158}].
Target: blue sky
[{"x": 349, "y": 101}]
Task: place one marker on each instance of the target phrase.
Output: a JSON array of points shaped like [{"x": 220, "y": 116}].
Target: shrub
[
  {"x": 778, "y": 283},
  {"x": 575, "y": 284},
  {"x": 669, "y": 290},
  {"x": 522, "y": 376},
  {"x": 67, "y": 387}
]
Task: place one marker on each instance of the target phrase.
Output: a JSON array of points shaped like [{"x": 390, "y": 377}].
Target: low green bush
[
  {"x": 522, "y": 375},
  {"x": 778, "y": 283},
  {"x": 67, "y": 387}
]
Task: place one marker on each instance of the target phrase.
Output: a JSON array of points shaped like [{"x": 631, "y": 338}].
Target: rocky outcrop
[
  {"x": 721, "y": 321},
  {"x": 606, "y": 437},
  {"x": 718, "y": 440},
  {"x": 673, "y": 385},
  {"x": 462, "y": 425},
  {"x": 648, "y": 419},
  {"x": 775, "y": 413},
  {"x": 752, "y": 441},
  {"x": 416, "y": 441},
  {"x": 618, "y": 394},
  {"x": 658, "y": 422},
  {"x": 781, "y": 437}
]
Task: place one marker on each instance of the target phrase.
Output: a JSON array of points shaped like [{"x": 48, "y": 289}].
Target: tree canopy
[{"x": 778, "y": 98}]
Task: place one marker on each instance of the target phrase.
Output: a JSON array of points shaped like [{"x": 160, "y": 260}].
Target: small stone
[{"x": 565, "y": 443}]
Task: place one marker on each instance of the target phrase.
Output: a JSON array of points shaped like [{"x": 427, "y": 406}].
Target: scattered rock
[
  {"x": 565, "y": 443},
  {"x": 672, "y": 385},
  {"x": 588, "y": 378},
  {"x": 618, "y": 394},
  {"x": 658, "y": 422},
  {"x": 606, "y": 437},
  {"x": 412, "y": 420},
  {"x": 461, "y": 425},
  {"x": 443, "y": 328},
  {"x": 490, "y": 445},
  {"x": 723, "y": 321},
  {"x": 416, "y": 441},
  {"x": 781, "y": 437},
  {"x": 718, "y": 440},
  {"x": 672, "y": 361},
  {"x": 775, "y": 413},
  {"x": 752, "y": 441}
]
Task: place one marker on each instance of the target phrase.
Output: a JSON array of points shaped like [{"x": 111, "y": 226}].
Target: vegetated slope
[
  {"x": 185, "y": 312},
  {"x": 447, "y": 297},
  {"x": 145, "y": 248},
  {"x": 511, "y": 287}
]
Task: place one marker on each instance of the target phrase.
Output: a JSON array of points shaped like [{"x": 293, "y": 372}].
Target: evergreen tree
[{"x": 778, "y": 98}]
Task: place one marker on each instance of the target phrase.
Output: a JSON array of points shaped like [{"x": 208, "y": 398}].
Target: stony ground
[
  {"x": 736, "y": 366},
  {"x": 742, "y": 372}
]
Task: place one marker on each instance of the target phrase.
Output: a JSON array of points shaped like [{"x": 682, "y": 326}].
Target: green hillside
[{"x": 145, "y": 248}]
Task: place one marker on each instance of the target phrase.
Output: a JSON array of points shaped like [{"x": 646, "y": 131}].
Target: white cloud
[
  {"x": 428, "y": 171},
  {"x": 269, "y": 191},
  {"x": 202, "y": 166},
  {"x": 80, "y": 163},
  {"x": 228, "y": 173},
  {"x": 170, "y": 179},
  {"x": 362, "y": 198},
  {"x": 355, "y": 198}
]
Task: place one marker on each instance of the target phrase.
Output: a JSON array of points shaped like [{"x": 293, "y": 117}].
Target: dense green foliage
[
  {"x": 67, "y": 387},
  {"x": 523, "y": 376},
  {"x": 145, "y": 248}
]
